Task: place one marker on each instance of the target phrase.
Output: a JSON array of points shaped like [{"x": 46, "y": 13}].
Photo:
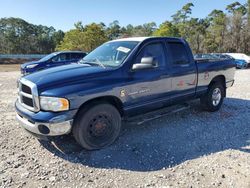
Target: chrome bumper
[{"x": 45, "y": 129}]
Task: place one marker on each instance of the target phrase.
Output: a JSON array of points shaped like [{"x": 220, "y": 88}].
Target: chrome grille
[
  {"x": 28, "y": 95},
  {"x": 26, "y": 89}
]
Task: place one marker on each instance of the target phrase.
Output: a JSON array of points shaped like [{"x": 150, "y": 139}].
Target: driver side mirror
[{"x": 146, "y": 63}]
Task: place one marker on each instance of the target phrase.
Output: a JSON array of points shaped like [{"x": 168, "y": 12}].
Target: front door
[{"x": 149, "y": 87}]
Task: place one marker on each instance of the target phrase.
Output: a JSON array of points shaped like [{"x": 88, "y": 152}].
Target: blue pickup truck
[
  {"x": 119, "y": 79},
  {"x": 52, "y": 60}
]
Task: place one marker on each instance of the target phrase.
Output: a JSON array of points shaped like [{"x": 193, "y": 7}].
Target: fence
[{"x": 22, "y": 56}]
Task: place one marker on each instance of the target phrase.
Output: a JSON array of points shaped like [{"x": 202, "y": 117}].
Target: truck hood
[
  {"x": 29, "y": 63},
  {"x": 62, "y": 75}
]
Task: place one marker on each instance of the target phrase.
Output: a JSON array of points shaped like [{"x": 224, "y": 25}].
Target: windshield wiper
[
  {"x": 93, "y": 62},
  {"x": 100, "y": 63}
]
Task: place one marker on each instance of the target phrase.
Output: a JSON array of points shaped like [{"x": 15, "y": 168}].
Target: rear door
[{"x": 183, "y": 70}]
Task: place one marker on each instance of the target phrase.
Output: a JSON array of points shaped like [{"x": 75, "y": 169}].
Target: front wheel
[
  {"x": 97, "y": 127},
  {"x": 213, "y": 100},
  {"x": 244, "y": 66}
]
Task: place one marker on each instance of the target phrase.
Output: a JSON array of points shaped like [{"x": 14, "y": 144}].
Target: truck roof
[
  {"x": 68, "y": 51},
  {"x": 140, "y": 39}
]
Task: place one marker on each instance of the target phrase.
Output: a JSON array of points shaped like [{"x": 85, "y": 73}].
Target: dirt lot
[
  {"x": 189, "y": 149},
  {"x": 15, "y": 61},
  {"x": 9, "y": 67}
]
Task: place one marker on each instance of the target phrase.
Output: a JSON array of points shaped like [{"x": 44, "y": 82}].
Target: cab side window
[
  {"x": 154, "y": 50},
  {"x": 61, "y": 57},
  {"x": 178, "y": 53},
  {"x": 75, "y": 56}
]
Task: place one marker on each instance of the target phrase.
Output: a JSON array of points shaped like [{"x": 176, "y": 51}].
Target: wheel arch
[
  {"x": 113, "y": 100},
  {"x": 219, "y": 79}
]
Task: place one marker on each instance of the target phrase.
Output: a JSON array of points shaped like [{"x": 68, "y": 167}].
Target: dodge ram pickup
[{"x": 117, "y": 80}]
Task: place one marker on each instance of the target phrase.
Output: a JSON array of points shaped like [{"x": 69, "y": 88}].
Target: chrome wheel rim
[{"x": 216, "y": 97}]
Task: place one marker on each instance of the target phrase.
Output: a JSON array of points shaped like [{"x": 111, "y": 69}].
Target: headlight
[
  {"x": 54, "y": 104},
  {"x": 31, "y": 66}
]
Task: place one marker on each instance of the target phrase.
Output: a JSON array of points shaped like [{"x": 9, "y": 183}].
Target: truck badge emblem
[{"x": 122, "y": 93}]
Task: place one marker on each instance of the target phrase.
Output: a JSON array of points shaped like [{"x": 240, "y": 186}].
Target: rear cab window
[{"x": 178, "y": 53}]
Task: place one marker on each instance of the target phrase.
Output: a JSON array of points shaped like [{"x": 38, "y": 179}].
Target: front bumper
[
  {"x": 45, "y": 123},
  {"x": 242, "y": 66},
  {"x": 45, "y": 129},
  {"x": 23, "y": 72}
]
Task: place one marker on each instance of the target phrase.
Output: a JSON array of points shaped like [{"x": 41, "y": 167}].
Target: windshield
[
  {"x": 110, "y": 54},
  {"x": 47, "y": 57}
]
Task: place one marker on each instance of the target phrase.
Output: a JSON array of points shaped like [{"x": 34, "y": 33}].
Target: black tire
[
  {"x": 97, "y": 127},
  {"x": 208, "y": 102},
  {"x": 245, "y": 67}
]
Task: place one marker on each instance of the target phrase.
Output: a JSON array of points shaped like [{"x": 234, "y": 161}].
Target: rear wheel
[
  {"x": 213, "y": 100},
  {"x": 97, "y": 127}
]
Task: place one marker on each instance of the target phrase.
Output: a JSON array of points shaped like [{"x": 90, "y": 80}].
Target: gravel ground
[
  {"x": 9, "y": 67},
  {"x": 191, "y": 148}
]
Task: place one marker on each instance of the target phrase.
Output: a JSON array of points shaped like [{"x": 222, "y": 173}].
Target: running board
[{"x": 141, "y": 119}]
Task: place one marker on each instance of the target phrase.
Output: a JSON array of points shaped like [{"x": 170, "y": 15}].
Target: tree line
[
  {"x": 221, "y": 31},
  {"x": 20, "y": 37}
]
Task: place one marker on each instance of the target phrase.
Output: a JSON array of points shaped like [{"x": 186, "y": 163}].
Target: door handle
[
  {"x": 165, "y": 76},
  {"x": 186, "y": 65}
]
